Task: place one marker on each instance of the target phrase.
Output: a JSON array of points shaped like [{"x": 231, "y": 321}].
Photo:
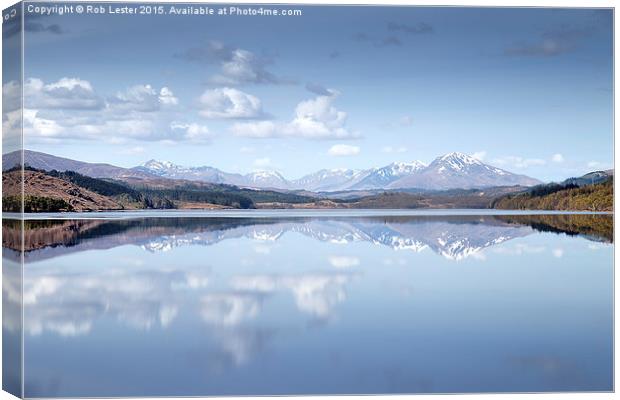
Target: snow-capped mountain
[
  {"x": 266, "y": 179},
  {"x": 167, "y": 169},
  {"x": 458, "y": 170},
  {"x": 450, "y": 171},
  {"x": 327, "y": 180},
  {"x": 382, "y": 177}
]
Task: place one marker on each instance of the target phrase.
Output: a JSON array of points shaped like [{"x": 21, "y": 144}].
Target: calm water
[{"x": 414, "y": 304}]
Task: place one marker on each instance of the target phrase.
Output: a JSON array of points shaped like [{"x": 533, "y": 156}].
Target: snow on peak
[
  {"x": 456, "y": 161},
  {"x": 265, "y": 174},
  {"x": 158, "y": 165}
]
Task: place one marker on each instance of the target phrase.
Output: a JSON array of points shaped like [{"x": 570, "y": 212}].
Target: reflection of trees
[
  {"x": 596, "y": 227},
  {"x": 454, "y": 237}
]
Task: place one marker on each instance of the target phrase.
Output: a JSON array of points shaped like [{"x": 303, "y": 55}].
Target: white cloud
[
  {"x": 143, "y": 98},
  {"x": 70, "y": 109},
  {"x": 557, "y": 158},
  {"x": 315, "y": 294},
  {"x": 191, "y": 132},
  {"x": 343, "y": 261},
  {"x": 230, "y": 103},
  {"x": 239, "y": 66},
  {"x": 519, "y": 162},
  {"x": 558, "y": 253},
  {"x": 247, "y": 150},
  {"x": 390, "y": 149},
  {"x": 318, "y": 119},
  {"x": 314, "y": 118},
  {"x": 340, "y": 150},
  {"x": 166, "y": 97},
  {"x": 479, "y": 155},
  {"x": 66, "y": 93},
  {"x": 229, "y": 309},
  {"x": 11, "y": 97}
]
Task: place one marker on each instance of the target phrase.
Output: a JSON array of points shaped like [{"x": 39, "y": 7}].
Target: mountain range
[{"x": 451, "y": 171}]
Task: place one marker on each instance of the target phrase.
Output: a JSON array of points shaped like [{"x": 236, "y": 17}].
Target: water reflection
[
  {"x": 302, "y": 306},
  {"x": 455, "y": 238}
]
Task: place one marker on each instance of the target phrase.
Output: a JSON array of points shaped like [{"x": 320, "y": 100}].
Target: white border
[{"x": 476, "y": 3}]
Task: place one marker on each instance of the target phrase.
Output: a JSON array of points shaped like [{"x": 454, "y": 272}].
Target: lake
[{"x": 316, "y": 303}]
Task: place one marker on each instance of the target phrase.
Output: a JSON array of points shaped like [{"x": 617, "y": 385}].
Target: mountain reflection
[
  {"x": 310, "y": 279},
  {"x": 453, "y": 237}
]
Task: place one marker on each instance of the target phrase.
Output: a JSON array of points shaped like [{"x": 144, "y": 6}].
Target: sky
[{"x": 528, "y": 90}]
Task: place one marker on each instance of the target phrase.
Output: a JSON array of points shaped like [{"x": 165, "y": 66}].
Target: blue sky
[{"x": 527, "y": 90}]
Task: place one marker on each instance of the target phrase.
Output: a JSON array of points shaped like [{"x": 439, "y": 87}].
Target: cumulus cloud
[
  {"x": 143, "y": 98},
  {"x": 166, "y": 97},
  {"x": 66, "y": 93},
  {"x": 315, "y": 118},
  {"x": 237, "y": 66},
  {"x": 71, "y": 109},
  {"x": 228, "y": 309},
  {"x": 519, "y": 162},
  {"x": 11, "y": 96},
  {"x": 191, "y": 132},
  {"x": 229, "y": 103},
  {"x": 340, "y": 150},
  {"x": 314, "y": 293},
  {"x": 69, "y": 303}
]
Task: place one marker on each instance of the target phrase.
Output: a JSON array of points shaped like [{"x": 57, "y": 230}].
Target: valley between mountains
[{"x": 453, "y": 180}]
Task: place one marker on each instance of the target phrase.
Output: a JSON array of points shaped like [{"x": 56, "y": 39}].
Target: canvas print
[{"x": 209, "y": 199}]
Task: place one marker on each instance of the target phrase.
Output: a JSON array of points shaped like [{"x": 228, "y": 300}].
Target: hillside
[
  {"x": 48, "y": 162},
  {"x": 569, "y": 197},
  {"x": 48, "y": 193}
]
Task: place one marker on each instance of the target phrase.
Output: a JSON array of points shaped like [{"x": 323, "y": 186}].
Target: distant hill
[
  {"x": 590, "y": 178},
  {"x": 47, "y": 193},
  {"x": 567, "y": 196},
  {"x": 70, "y": 191},
  {"x": 49, "y": 162}
]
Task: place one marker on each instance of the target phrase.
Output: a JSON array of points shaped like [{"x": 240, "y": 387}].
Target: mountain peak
[
  {"x": 158, "y": 165},
  {"x": 457, "y": 156}
]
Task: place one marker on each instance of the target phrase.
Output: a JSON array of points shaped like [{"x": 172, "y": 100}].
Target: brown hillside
[{"x": 42, "y": 185}]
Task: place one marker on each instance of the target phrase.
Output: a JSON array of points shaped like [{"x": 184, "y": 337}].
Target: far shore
[{"x": 287, "y": 213}]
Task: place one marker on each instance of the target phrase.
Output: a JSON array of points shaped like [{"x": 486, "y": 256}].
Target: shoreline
[{"x": 286, "y": 213}]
